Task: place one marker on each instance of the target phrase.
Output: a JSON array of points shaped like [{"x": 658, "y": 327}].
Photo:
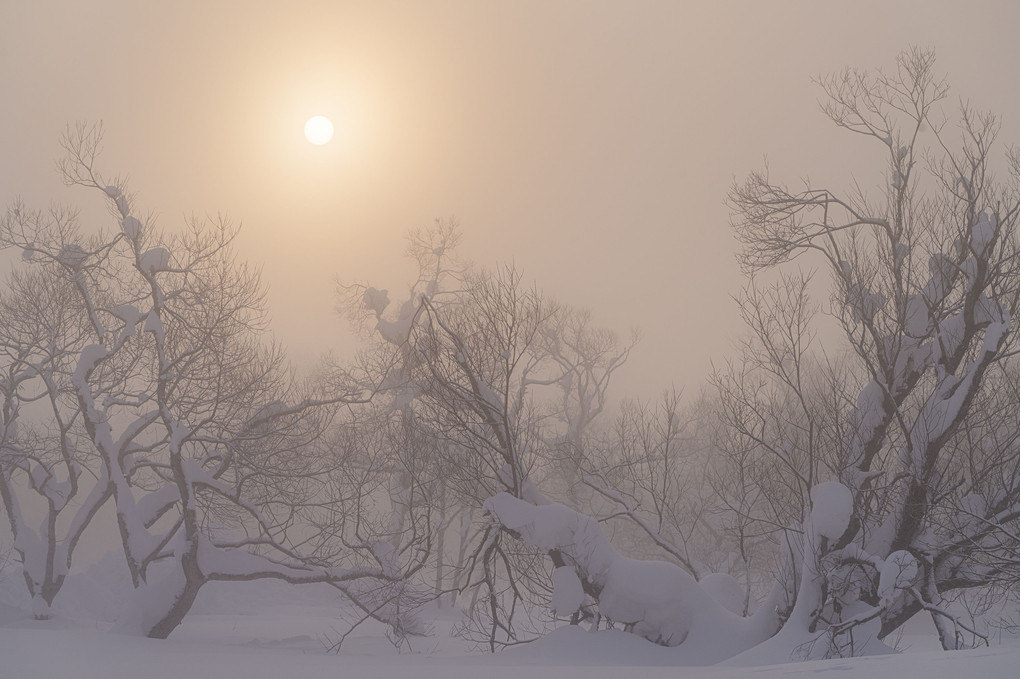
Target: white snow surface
[
  {"x": 131, "y": 227},
  {"x": 376, "y": 300},
  {"x": 396, "y": 332},
  {"x": 982, "y": 232},
  {"x": 726, "y": 591},
  {"x": 898, "y": 572},
  {"x": 271, "y": 630},
  {"x": 156, "y": 259},
  {"x": 72, "y": 255},
  {"x": 128, "y": 313},
  {"x": 832, "y": 508},
  {"x": 568, "y": 594}
]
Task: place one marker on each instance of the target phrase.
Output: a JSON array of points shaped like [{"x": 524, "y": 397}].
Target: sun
[{"x": 319, "y": 130}]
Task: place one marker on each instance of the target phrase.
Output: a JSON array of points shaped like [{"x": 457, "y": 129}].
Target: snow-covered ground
[{"x": 271, "y": 631}]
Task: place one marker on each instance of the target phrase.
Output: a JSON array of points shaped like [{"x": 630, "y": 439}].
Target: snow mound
[
  {"x": 376, "y": 300},
  {"x": 574, "y": 645},
  {"x": 568, "y": 594},
  {"x": 725, "y": 590},
  {"x": 656, "y": 600},
  {"x": 396, "y": 332},
  {"x": 72, "y": 256},
  {"x": 832, "y": 506},
  {"x": 898, "y": 572},
  {"x": 131, "y": 227},
  {"x": 156, "y": 259}
]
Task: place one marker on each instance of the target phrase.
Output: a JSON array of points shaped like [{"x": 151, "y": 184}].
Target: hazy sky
[{"x": 591, "y": 143}]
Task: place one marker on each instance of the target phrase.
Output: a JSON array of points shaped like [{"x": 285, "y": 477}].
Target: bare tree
[
  {"x": 583, "y": 360},
  {"x": 779, "y": 404},
  {"x": 647, "y": 473},
  {"x": 476, "y": 364}
]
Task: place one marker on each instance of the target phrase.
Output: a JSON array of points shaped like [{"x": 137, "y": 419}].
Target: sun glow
[{"x": 319, "y": 130}]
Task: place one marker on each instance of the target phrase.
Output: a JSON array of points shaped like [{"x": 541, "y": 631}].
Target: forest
[{"x": 852, "y": 465}]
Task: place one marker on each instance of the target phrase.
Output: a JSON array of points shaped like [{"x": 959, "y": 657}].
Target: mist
[
  {"x": 592, "y": 144},
  {"x": 688, "y": 324}
]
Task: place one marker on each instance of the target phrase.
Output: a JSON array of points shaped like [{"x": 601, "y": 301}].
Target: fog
[
  {"x": 472, "y": 476},
  {"x": 590, "y": 143}
]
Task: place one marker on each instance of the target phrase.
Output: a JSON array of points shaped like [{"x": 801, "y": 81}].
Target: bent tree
[
  {"x": 910, "y": 488},
  {"x": 925, "y": 288}
]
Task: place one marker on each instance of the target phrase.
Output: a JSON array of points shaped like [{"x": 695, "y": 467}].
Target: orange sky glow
[{"x": 590, "y": 143}]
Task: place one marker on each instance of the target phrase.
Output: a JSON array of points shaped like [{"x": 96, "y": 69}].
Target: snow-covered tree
[
  {"x": 212, "y": 456},
  {"x": 923, "y": 271},
  {"x": 410, "y": 457},
  {"x": 475, "y": 364},
  {"x": 902, "y": 492},
  {"x": 47, "y": 480},
  {"x": 496, "y": 381}
]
